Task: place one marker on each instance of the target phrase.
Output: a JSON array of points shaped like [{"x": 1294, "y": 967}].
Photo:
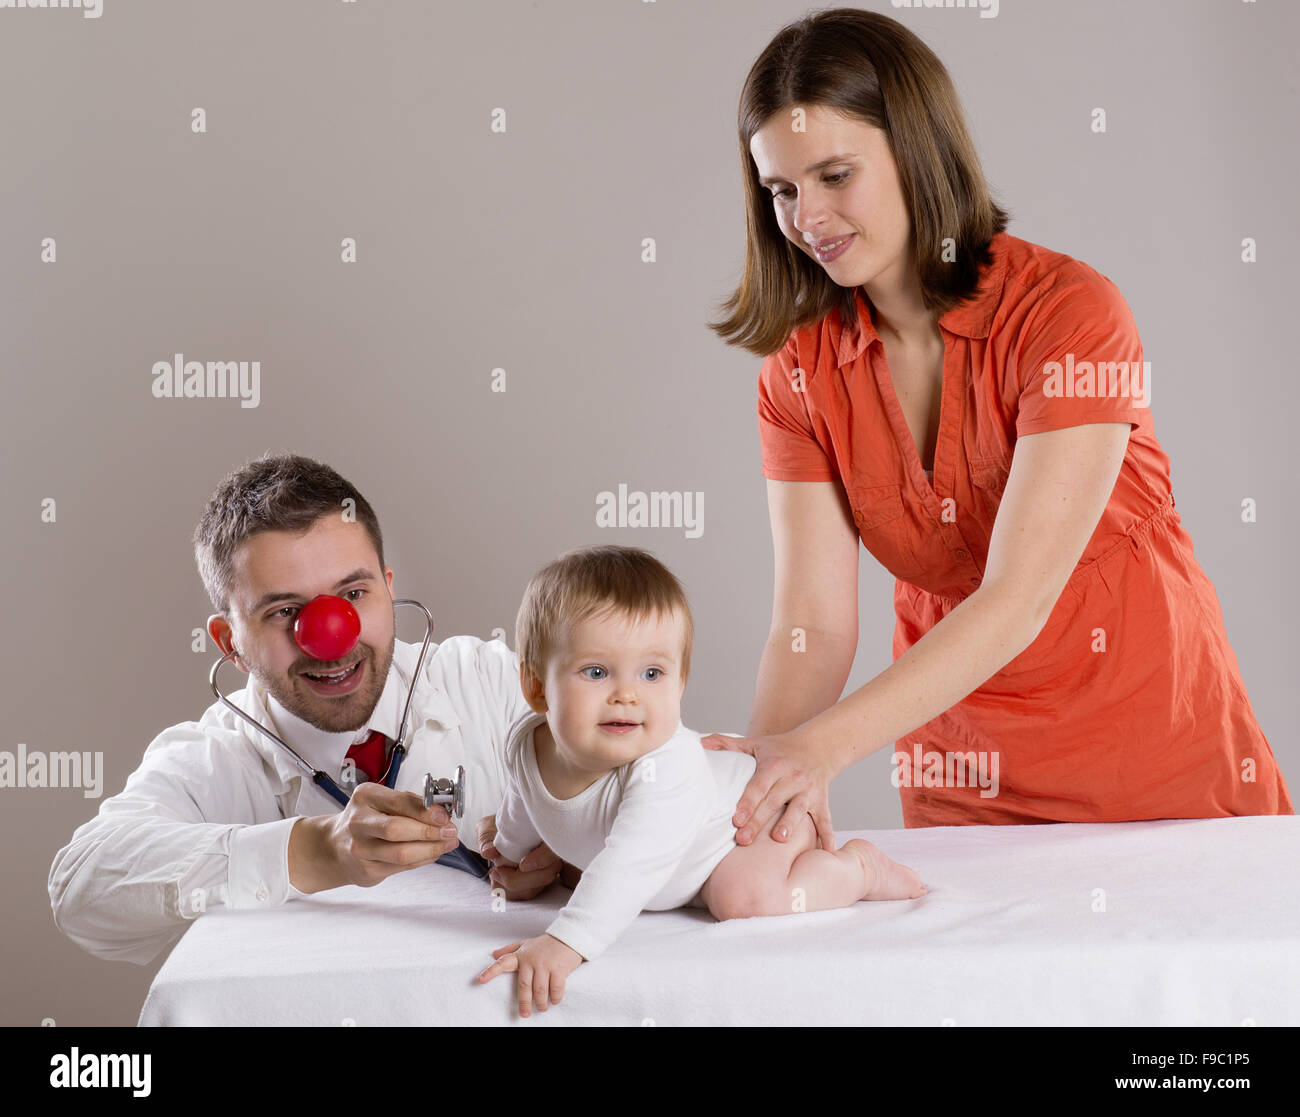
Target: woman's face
[{"x": 836, "y": 195}]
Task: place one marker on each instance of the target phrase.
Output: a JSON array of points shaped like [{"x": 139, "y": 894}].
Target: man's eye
[
  {"x": 357, "y": 591},
  {"x": 285, "y": 613}
]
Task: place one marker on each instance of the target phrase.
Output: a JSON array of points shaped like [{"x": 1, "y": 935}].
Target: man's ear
[
  {"x": 388, "y": 577},
  {"x": 534, "y": 692},
  {"x": 223, "y": 636}
]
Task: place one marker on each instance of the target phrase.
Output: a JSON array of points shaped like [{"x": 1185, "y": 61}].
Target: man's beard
[{"x": 333, "y": 715}]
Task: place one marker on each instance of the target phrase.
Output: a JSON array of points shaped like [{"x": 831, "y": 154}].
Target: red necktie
[{"x": 370, "y": 757}]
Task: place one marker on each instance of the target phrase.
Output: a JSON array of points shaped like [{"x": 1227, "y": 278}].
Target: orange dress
[{"x": 1129, "y": 704}]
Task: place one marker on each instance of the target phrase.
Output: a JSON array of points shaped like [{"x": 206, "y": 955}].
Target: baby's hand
[{"x": 543, "y": 963}]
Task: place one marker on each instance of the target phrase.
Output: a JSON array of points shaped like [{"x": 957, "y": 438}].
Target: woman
[{"x": 973, "y": 408}]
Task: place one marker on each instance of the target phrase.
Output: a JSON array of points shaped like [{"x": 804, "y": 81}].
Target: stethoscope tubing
[{"x": 321, "y": 779}]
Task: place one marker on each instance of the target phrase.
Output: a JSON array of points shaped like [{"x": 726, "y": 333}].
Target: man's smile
[{"x": 328, "y": 684}]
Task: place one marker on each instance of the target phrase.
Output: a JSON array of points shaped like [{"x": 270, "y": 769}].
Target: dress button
[
  {"x": 962, "y": 554},
  {"x": 974, "y": 581}
]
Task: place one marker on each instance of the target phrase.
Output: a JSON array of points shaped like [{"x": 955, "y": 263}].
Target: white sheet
[{"x": 1201, "y": 926}]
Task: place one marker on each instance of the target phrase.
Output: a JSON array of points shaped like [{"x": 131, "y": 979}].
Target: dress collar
[{"x": 972, "y": 318}]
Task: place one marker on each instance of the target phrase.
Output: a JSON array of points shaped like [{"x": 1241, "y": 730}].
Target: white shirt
[
  {"x": 204, "y": 821},
  {"x": 646, "y": 834}
]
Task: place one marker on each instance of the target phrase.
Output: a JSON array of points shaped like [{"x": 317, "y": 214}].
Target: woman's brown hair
[{"x": 872, "y": 68}]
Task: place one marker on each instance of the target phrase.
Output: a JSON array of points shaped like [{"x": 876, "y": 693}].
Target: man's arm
[{"x": 155, "y": 856}]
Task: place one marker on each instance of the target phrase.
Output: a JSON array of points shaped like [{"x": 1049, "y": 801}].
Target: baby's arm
[
  {"x": 658, "y": 819},
  {"x": 516, "y": 835}
]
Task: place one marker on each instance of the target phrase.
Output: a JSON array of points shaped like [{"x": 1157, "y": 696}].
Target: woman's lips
[{"x": 837, "y": 248}]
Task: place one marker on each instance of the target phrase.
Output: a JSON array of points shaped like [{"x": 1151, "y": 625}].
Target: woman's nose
[{"x": 809, "y": 213}]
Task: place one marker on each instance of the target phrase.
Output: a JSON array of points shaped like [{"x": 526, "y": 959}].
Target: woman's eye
[
  {"x": 831, "y": 180},
  {"x": 285, "y": 613}
]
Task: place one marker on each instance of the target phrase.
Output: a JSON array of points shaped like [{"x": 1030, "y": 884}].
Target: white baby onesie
[{"x": 646, "y": 835}]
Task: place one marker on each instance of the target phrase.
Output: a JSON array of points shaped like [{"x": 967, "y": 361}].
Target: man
[{"x": 218, "y": 814}]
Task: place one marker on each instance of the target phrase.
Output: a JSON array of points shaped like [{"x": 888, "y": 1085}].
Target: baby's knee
[{"x": 729, "y": 894}]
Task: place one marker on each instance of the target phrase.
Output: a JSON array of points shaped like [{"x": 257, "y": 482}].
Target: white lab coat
[{"x": 204, "y": 821}]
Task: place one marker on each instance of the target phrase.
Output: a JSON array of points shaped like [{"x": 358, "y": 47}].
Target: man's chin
[
  {"x": 339, "y": 715},
  {"x": 343, "y": 713}
]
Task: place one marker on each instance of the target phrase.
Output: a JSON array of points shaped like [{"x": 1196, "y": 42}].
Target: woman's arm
[
  {"x": 1058, "y": 487},
  {"x": 814, "y": 633}
]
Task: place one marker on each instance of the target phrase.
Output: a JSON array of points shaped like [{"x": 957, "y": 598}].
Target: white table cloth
[{"x": 1176, "y": 922}]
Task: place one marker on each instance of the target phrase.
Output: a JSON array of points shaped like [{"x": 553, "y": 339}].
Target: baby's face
[{"x": 613, "y": 692}]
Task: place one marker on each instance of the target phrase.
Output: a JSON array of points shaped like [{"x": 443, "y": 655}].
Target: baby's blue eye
[
  {"x": 657, "y": 670},
  {"x": 586, "y": 669}
]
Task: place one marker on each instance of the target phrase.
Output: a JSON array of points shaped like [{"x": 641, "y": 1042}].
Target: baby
[{"x": 604, "y": 773}]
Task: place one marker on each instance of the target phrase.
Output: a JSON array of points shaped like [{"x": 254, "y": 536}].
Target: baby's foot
[{"x": 886, "y": 879}]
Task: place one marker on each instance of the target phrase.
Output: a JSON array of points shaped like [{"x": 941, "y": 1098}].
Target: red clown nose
[{"x": 327, "y": 628}]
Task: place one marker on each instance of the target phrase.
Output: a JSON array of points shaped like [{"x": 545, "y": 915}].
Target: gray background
[{"x": 522, "y": 251}]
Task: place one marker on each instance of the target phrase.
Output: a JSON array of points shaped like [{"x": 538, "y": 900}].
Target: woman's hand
[{"x": 787, "y": 775}]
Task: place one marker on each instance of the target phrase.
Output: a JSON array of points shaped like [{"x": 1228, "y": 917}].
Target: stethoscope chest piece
[{"x": 446, "y": 791}]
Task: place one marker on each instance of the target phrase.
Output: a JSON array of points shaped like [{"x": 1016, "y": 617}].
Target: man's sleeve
[
  {"x": 658, "y": 820},
  {"x": 498, "y": 667},
  {"x": 196, "y": 827}
]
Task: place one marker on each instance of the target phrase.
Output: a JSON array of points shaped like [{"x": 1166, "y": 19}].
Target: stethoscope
[{"x": 327, "y": 628}]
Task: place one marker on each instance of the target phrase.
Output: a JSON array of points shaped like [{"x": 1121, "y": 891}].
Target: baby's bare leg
[{"x": 769, "y": 877}]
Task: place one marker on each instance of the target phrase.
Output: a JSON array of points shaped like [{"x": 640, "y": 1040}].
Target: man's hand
[
  {"x": 539, "y": 869},
  {"x": 543, "y": 963},
  {"x": 380, "y": 832}
]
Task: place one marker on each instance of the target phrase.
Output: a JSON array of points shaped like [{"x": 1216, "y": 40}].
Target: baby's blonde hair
[{"x": 584, "y": 583}]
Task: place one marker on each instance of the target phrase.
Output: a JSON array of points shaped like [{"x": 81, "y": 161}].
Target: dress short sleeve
[
  {"x": 789, "y": 444},
  {"x": 1081, "y": 358}
]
